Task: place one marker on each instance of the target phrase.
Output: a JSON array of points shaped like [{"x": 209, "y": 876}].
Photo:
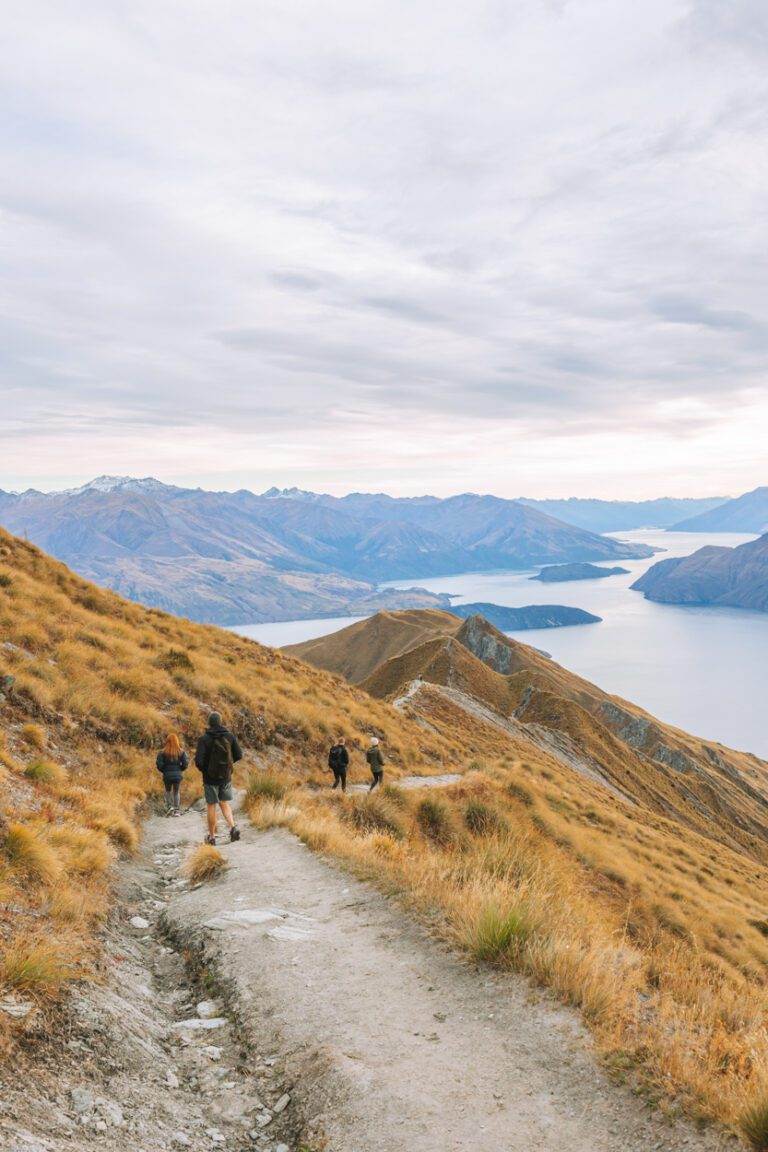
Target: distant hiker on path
[
  {"x": 338, "y": 762},
  {"x": 375, "y": 762},
  {"x": 217, "y": 752},
  {"x": 173, "y": 763}
]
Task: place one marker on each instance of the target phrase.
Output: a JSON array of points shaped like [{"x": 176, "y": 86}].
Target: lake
[{"x": 702, "y": 669}]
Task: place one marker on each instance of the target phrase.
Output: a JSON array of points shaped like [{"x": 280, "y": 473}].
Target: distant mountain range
[
  {"x": 623, "y": 515},
  {"x": 736, "y": 577},
  {"x": 237, "y": 557},
  {"x": 747, "y": 513}
]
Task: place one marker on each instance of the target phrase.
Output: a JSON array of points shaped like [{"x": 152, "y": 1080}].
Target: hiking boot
[
  {"x": 176, "y": 812},
  {"x": 234, "y": 833},
  {"x": 211, "y": 840}
]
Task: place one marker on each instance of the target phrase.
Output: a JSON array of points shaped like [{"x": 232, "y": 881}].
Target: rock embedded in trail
[
  {"x": 139, "y": 923},
  {"x": 208, "y": 1009}
]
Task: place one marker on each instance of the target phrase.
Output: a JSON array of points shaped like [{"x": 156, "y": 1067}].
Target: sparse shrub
[
  {"x": 264, "y": 786},
  {"x": 518, "y": 792},
  {"x": 175, "y": 660},
  {"x": 483, "y": 820},
  {"x": 394, "y": 795},
  {"x": 374, "y": 814},
  {"x": 754, "y": 1125},
  {"x": 434, "y": 820},
  {"x": 5, "y": 580},
  {"x": 45, "y": 772},
  {"x": 30, "y": 855},
  {"x": 34, "y": 736},
  {"x": 498, "y": 935},
  {"x": 204, "y": 863},
  {"x": 86, "y": 851}
]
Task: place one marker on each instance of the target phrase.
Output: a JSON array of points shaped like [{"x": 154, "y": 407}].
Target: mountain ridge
[
  {"x": 725, "y": 577},
  {"x": 236, "y": 557}
]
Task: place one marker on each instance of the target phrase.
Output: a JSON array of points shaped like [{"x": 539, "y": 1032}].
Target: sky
[{"x": 515, "y": 246}]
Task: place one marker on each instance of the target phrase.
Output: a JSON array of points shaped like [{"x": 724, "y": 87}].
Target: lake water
[{"x": 702, "y": 669}]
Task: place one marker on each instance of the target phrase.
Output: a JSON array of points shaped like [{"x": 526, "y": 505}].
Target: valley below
[{"x": 702, "y": 669}]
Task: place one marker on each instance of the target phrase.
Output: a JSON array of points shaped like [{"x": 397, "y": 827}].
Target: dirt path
[
  {"x": 391, "y": 1041},
  {"x": 287, "y": 1006}
]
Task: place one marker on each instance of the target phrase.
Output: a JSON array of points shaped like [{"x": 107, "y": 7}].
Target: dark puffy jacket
[
  {"x": 204, "y": 749},
  {"x": 172, "y": 767},
  {"x": 338, "y": 758},
  {"x": 375, "y": 759}
]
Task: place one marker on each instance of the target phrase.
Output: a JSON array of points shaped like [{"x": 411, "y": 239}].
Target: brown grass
[
  {"x": 204, "y": 863},
  {"x": 660, "y": 995}
]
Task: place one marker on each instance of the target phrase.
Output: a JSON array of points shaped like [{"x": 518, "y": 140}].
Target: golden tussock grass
[
  {"x": 508, "y": 891},
  {"x": 204, "y": 863}
]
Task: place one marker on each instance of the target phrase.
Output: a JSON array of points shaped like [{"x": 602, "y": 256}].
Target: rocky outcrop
[{"x": 732, "y": 577}]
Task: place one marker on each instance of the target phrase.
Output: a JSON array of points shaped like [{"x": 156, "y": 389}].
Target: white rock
[
  {"x": 139, "y": 922},
  {"x": 18, "y": 1009},
  {"x": 282, "y": 1148},
  {"x": 112, "y": 1113},
  {"x": 100, "y": 1125},
  {"x": 264, "y": 1119},
  {"x": 181, "y": 1140},
  {"x": 212, "y": 1052},
  {"x": 195, "y": 1023},
  {"x": 207, "y": 1009},
  {"x": 171, "y": 1079},
  {"x": 82, "y": 1101},
  {"x": 282, "y": 1103}
]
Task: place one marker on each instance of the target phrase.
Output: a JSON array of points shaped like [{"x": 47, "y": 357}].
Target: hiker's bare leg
[
  {"x": 226, "y": 809},
  {"x": 210, "y": 810}
]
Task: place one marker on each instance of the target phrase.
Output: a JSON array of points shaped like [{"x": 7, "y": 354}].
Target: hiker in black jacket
[
  {"x": 217, "y": 751},
  {"x": 173, "y": 763},
  {"x": 338, "y": 762}
]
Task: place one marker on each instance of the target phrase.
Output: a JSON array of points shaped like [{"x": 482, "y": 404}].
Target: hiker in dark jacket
[
  {"x": 375, "y": 762},
  {"x": 338, "y": 762},
  {"x": 173, "y": 763},
  {"x": 217, "y": 751}
]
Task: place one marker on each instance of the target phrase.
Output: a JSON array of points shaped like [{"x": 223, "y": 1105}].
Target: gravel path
[{"x": 390, "y": 1040}]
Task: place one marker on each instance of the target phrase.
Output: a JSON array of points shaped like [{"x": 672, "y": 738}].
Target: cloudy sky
[{"x": 514, "y": 246}]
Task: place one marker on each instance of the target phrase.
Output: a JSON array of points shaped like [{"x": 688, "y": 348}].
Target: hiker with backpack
[
  {"x": 338, "y": 762},
  {"x": 217, "y": 752},
  {"x": 172, "y": 762},
  {"x": 375, "y": 762}
]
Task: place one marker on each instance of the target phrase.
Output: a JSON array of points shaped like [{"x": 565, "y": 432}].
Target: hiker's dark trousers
[
  {"x": 377, "y": 779},
  {"x": 340, "y": 777},
  {"x": 172, "y": 794}
]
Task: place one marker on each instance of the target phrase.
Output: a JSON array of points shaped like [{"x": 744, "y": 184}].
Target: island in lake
[
  {"x": 529, "y": 616},
  {"x": 558, "y": 573}
]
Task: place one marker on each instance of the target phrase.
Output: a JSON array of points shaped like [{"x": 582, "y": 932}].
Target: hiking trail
[{"x": 340, "y": 1025}]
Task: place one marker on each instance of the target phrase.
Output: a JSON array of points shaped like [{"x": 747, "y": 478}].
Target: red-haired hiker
[{"x": 172, "y": 762}]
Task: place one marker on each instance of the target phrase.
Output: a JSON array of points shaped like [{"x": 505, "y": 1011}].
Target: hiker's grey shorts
[{"x": 215, "y": 793}]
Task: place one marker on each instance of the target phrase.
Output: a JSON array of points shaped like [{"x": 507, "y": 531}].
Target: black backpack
[{"x": 219, "y": 762}]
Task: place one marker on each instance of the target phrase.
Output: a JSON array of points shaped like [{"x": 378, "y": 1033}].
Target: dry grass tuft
[
  {"x": 754, "y": 1126},
  {"x": 34, "y": 736},
  {"x": 30, "y": 855},
  {"x": 45, "y": 772},
  {"x": 204, "y": 863},
  {"x": 435, "y": 821},
  {"x": 36, "y": 967}
]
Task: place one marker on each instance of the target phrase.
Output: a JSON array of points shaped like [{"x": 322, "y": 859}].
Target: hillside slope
[
  {"x": 714, "y": 790},
  {"x": 747, "y": 513},
  {"x": 729, "y": 577},
  {"x": 89, "y": 686}
]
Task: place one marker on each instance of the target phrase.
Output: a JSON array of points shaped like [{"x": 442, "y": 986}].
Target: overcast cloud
[{"x": 514, "y": 246}]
